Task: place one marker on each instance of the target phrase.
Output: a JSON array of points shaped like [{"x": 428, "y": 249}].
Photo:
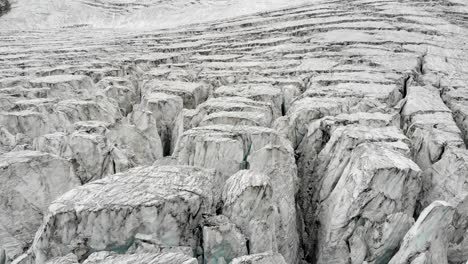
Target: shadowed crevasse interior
[{"x": 4, "y": 7}]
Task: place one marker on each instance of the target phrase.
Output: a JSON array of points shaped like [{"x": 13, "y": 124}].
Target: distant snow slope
[{"x": 40, "y": 14}]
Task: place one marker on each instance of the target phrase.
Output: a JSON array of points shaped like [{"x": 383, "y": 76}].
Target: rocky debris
[
  {"x": 30, "y": 181},
  {"x": 262, "y": 258},
  {"x": 165, "y": 203},
  {"x": 222, "y": 240},
  {"x": 427, "y": 240}
]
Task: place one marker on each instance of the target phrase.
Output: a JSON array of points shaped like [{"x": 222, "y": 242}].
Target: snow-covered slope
[{"x": 41, "y": 14}]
